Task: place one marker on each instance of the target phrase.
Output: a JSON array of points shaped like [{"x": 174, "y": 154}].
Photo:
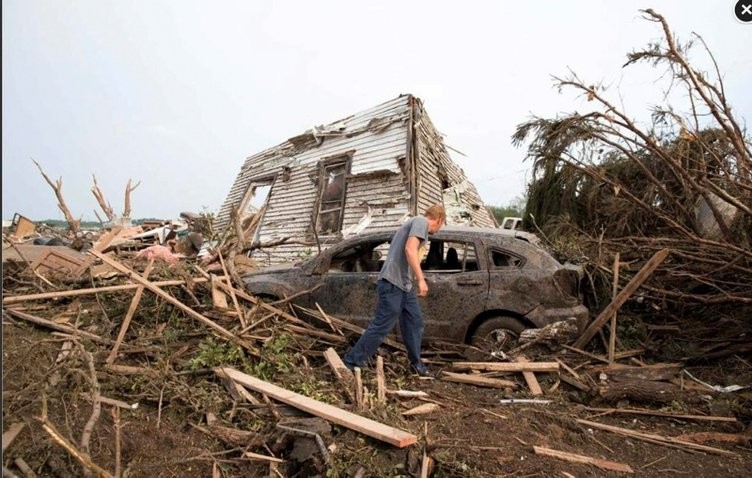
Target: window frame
[
  {"x": 324, "y": 166},
  {"x": 462, "y": 255},
  {"x": 522, "y": 259}
]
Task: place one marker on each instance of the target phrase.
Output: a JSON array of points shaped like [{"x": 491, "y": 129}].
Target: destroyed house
[{"x": 365, "y": 172}]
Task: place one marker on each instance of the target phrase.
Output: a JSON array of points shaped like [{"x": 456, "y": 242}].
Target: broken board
[
  {"x": 374, "y": 429},
  {"x": 56, "y": 262}
]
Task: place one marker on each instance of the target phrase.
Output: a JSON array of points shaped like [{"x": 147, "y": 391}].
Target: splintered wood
[
  {"x": 571, "y": 457},
  {"x": 385, "y": 433},
  {"x": 521, "y": 365}
]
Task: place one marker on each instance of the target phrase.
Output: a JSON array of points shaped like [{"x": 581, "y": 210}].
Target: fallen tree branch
[
  {"x": 55, "y": 326},
  {"x": 96, "y": 405},
  {"x": 655, "y": 438},
  {"x": 82, "y": 458}
]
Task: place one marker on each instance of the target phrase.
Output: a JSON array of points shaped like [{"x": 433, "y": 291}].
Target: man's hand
[{"x": 422, "y": 288}]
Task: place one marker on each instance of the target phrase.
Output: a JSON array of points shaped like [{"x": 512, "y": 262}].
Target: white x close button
[{"x": 743, "y": 11}]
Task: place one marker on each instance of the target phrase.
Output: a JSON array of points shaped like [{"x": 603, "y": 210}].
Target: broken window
[
  {"x": 502, "y": 259},
  {"x": 256, "y": 195},
  {"x": 254, "y": 202},
  {"x": 443, "y": 256},
  {"x": 361, "y": 258},
  {"x": 332, "y": 196}
]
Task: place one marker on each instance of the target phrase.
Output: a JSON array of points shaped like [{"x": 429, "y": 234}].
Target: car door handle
[{"x": 470, "y": 282}]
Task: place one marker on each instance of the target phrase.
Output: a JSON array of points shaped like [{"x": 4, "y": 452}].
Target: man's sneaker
[{"x": 422, "y": 371}]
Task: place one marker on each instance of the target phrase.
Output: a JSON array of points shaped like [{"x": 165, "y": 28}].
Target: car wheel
[{"x": 498, "y": 334}]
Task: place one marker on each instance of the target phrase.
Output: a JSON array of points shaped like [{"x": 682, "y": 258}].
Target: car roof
[
  {"x": 490, "y": 231},
  {"x": 462, "y": 230}
]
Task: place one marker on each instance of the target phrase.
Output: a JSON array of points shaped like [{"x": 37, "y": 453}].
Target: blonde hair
[{"x": 436, "y": 212}]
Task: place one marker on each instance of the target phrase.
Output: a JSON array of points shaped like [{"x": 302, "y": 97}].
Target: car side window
[
  {"x": 449, "y": 257},
  {"x": 361, "y": 258},
  {"x": 504, "y": 259}
]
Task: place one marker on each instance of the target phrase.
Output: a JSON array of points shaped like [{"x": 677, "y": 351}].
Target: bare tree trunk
[
  {"x": 102, "y": 203},
  {"x": 74, "y": 225},
  {"x": 128, "y": 191}
]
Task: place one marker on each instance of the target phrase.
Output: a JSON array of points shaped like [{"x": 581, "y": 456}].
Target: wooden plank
[
  {"x": 508, "y": 367},
  {"x": 380, "y": 380},
  {"x": 15, "y": 299},
  {"x": 426, "y": 466},
  {"x": 343, "y": 374},
  {"x": 622, "y": 297},
  {"x": 226, "y": 279},
  {"x": 24, "y": 467},
  {"x": 478, "y": 380},
  {"x": 219, "y": 299},
  {"x": 12, "y": 433},
  {"x": 137, "y": 278},
  {"x": 129, "y": 315},
  {"x": 336, "y": 364},
  {"x": 573, "y": 458},
  {"x": 530, "y": 379},
  {"x": 385, "y": 433},
  {"x": 358, "y": 384}
]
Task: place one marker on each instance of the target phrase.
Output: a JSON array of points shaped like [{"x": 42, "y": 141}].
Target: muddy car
[{"x": 485, "y": 285}]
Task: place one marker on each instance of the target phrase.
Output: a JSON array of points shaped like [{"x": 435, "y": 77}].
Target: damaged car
[{"x": 485, "y": 285}]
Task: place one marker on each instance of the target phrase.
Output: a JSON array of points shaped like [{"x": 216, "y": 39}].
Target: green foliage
[
  {"x": 274, "y": 359},
  {"x": 312, "y": 388},
  {"x": 213, "y": 354}
]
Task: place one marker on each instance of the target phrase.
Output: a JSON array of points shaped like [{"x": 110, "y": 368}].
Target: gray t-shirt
[{"x": 396, "y": 269}]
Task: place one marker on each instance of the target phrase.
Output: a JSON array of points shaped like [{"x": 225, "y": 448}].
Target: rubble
[{"x": 288, "y": 352}]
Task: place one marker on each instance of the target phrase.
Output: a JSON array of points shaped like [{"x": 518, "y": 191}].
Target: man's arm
[{"x": 413, "y": 260}]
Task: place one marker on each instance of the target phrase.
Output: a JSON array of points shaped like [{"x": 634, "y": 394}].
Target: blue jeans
[{"x": 393, "y": 304}]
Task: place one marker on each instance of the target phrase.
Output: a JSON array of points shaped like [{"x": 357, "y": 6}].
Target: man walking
[{"x": 397, "y": 298}]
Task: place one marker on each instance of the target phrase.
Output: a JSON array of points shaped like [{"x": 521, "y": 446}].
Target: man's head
[{"x": 436, "y": 217}]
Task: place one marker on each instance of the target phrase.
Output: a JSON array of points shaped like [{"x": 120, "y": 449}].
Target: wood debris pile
[{"x": 265, "y": 380}]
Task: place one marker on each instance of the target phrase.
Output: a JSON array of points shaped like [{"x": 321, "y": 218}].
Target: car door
[
  {"x": 512, "y": 287},
  {"x": 348, "y": 286},
  {"x": 457, "y": 287}
]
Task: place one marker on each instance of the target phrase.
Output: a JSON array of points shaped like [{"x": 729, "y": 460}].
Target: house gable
[{"x": 370, "y": 155}]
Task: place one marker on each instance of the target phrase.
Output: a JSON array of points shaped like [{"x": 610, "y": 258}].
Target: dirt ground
[{"x": 172, "y": 433}]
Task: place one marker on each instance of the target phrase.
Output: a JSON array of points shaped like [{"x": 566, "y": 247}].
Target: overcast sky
[{"x": 177, "y": 93}]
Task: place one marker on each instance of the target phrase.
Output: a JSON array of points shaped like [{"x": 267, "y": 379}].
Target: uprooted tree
[{"x": 604, "y": 184}]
